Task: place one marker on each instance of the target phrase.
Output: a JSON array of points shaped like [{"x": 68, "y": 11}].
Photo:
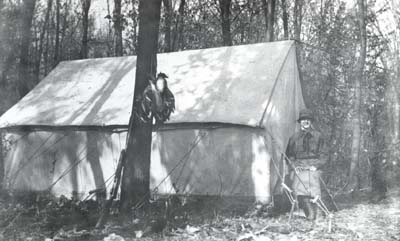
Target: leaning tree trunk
[
  {"x": 355, "y": 149},
  {"x": 136, "y": 177},
  {"x": 269, "y": 14},
  {"x": 24, "y": 65},
  {"x": 118, "y": 28},
  {"x": 85, "y": 27},
  {"x": 225, "y": 10}
]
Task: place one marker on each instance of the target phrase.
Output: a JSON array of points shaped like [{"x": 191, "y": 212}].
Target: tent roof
[{"x": 223, "y": 85}]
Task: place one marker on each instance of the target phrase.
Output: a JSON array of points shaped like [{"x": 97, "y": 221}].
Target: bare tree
[
  {"x": 225, "y": 11},
  {"x": 168, "y": 24},
  {"x": 85, "y": 4},
  {"x": 181, "y": 13},
  {"x": 57, "y": 43},
  {"x": 24, "y": 65},
  {"x": 285, "y": 20},
  {"x": 64, "y": 26},
  {"x": 136, "y": 177},
  {"x": 4, "y": 53},
  {"x": 394, "y": 55},
  {"x": 41, "y": 39},
  {"x": 118, "y": 46},
  {"x": 356, "y": 123},
  {"x": 269, "y": 14},
  {"x": 298, "y": 18}
]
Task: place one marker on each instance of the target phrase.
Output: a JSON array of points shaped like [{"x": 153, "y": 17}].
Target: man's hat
[
  {"x": 162, "y": 75},
  {"x": 305, "y": 114}
]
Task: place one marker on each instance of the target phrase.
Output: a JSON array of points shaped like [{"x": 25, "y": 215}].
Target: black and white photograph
[{"x": 214, "y": 120}]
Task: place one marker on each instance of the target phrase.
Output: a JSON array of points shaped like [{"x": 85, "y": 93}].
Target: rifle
[{"x": 114, "y": 190}]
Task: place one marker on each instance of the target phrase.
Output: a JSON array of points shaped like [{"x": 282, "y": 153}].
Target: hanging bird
[
  {"x": 157, "y": 100},
  {"x": 168, "y": 100}
]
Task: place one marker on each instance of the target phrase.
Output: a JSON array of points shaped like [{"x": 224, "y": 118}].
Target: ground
[{"x": 62, "y": 219}]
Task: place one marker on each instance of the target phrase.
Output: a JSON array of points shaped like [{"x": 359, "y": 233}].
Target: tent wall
[
  {"x": 224, "y": 161},
  {"x": 282, "y": 110}
]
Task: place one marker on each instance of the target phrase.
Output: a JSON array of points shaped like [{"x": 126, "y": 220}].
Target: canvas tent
[{"x": 236, "y": 107}]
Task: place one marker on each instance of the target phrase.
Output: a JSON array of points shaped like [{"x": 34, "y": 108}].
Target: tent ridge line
[
  {"x": 124, "y": 128},
  {"x": 274, "y": 87}
]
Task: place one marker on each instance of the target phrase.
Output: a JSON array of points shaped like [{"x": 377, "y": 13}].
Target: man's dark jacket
[{"x": 306, "y": 150}]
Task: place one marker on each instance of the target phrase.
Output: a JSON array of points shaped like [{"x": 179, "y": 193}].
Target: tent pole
[{"x": 274, "y": 86}]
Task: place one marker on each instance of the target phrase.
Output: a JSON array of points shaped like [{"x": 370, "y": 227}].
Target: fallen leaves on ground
[{"x": 64, "y": 220}]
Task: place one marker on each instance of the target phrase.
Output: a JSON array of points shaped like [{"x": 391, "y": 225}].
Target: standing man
[{"x": 305, "y": 151}]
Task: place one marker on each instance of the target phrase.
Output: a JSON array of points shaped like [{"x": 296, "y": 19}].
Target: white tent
[{"x": 236, "y": 107}]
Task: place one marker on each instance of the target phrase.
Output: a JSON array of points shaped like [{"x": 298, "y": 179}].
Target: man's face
[
  {"x": 160, "y": 84},
  {"x": 305, "y": 124}
]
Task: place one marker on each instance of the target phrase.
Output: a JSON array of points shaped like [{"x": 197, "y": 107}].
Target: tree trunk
[
  {"x": 225, "y": 10},
  {"x": 41, "y": 40},
  {"x": 269, "y": 14},
  {"x": 378, "y": 181},
  {"x": 7, "y": 56},
  {"x": 85, "y": 27},
  {"x": 57, "y": 44},
  {"x": 392, "y": 104},
  {"x": 64, "y": 27},
  {"x": 181, "y": 12},
  {"x": 24, "y": 65},
  {"x": 394, "y": 6},
  {"x": 285, "y": 20},
  {"x": 118, "y": 28},
  {"x": 168, "y": 23},
  {"x": 136, "y": 177},
  {"x": 355, "y": 149},
  {"x": 49, "y": 41},
  {"x": 298, "y": 18},
  {"x": 250, "y": 26}
]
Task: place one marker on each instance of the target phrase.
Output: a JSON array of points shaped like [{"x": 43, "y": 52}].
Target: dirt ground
[{"x": 62, "y": 219}]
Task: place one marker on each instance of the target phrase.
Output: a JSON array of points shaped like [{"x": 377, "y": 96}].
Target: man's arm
[{"x": 290, "y": 149}]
